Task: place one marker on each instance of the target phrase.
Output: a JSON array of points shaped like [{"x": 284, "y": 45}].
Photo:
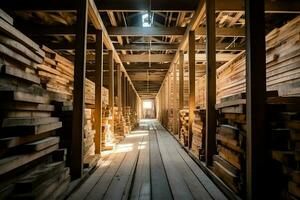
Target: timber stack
[
  {"x": 198, "y": 130},
  {"x": 28, "y": 141},
  {"x": 107, "y": 139},
  {"x": 170, "y": 120},
  {"x": 119, "y": 124},
  {"x": 184, "y": 126},
  {"x": 284, "y": 123},
  {"x": 126, "y": 114},
  {"x": 229, "y": 163}
]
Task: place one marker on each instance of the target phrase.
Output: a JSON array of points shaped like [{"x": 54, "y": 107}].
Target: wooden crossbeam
[
  {"x": 145, "y": 66},
  {"x": 223, "y": 32},
  {"x": 221, "y": 57},
  {"x": 271, "y": 6},
  {"x": 145, "y": 31},
  {"x": 146, "y": 58}
]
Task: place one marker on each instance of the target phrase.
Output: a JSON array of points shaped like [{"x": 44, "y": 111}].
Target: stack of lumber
[
  {"x": 89, "y": 157},
  {"x": 184, "y": 126},
  {"x": 134, "y": 118},
  {"x": 57, "y": 76},
  {"x": 48, "y": 181},
  {"x": 229, "y": 163},
  {"x": 170, "y": 120},
  {"x": 126, "y": 114},
  {"x": 107, "y": 138},
  {"x": 284, "y": 123},
  {"x": 198, "y": 129},
  {"x": 119, "y": 124},
  {"x": 282, "y": 66},
  {"x": 27, "y": 128}
]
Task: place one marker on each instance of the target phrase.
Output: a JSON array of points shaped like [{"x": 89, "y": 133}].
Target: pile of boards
[
  {"x": 107, "y": 139},
  {"x": 198, "y": 130},
  {"x": 170, "y": 120},
  {"x": 119, "y": 124},
  {"x": 284, "y": 123},
  {"x": 89, "y": 157},
  {"x": 184, "y": 127},
  {"x": 229, "y": 163},
  {"x": 130, "y": 117},
  {"x": 28, "y": 129}
]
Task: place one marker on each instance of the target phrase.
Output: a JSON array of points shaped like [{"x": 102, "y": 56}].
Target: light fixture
[{"x": 146, "y": 20}]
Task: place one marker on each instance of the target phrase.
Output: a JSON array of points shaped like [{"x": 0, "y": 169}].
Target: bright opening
[
  {"x": 146, "y": 20},
  {"x": 147, "y": 104}
]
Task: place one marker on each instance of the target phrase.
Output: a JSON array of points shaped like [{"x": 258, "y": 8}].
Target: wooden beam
[
  {"x": 111, "y": 86},
  {"x": 210, "y": 83},
  {"x": 181, "y": 82},
  {"x": 220, "y": 57},
  {"x": 146, "y": 58},
  {"x": 146, "y": 47},
  {"x": 98, "y": 91},
  {"x": 123, "y": 90},
  {"x": 257, "y": 148},
  {"x": 145, "y": 66},
  {"x": 78, "y": 92},
  {"x": 145, "y": 31},
  {"x": 175, "y": 105},
  {"x": 223, "y": 32},
  {"x": 192, "y": 80},
  {"x": 119, "y": 86}
]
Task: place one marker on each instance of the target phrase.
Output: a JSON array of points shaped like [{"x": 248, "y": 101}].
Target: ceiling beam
[
  {"x": 145, "y": 66},
  {"x": 145, "y": 31},
  {"x": 223, "y": 32},
  {"x": 146, "y": 58},
  {"x": 220, "y": 57},
  {"x": 271, "y": 6}
]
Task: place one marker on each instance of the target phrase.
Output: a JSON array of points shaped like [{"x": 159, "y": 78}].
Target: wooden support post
[
  {"x": 210, "y": 83},
  {"x": 123, "y": 89},
  {"x": 119, "y": 92},
  {"x": 181, "y": 80},
  {"x": 111, "y": 85},
  {"x": 192, "y": 79},
  {"x": 98, "y": 90},
  {"x": 257, "y": 152},
  {"x": 127, "y": 92},
  {"x": 175, "y": 106},
  {"x": 78, "y": 92}
]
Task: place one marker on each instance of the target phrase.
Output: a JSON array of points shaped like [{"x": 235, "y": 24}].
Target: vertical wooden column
[
  {"x": 78, "y": 92},
  {"x": 111, "y": 85},
  {"x": 181, "y": 79},
  {"x": 127, "y": 92},
  {"x": 257, "y": 157},
  {"x": 98, "y": 90},
  {"x": 192, "y": 79},
  {"x": 210, "y": 82},
  {"x": 119, "y": 92},
  {"x": 123, "y": 89},
  {"x": 175, "y": 106}
]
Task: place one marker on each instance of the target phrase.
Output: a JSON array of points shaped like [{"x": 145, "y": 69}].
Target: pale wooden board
[
  {"x": 9, "y": 122},
  {"x": 13, "y": 162},
  {"x": 26, "y": 106},
  {"x": 6, "y": 17},
  {"x": 22, "y": 97},
  {"x": 159, "y": 183},
  {"x": 12, "y": 71},
  {"x": 42, "y": 144},
  {"x": 141, "y": 188},
  {"x": 121, "y": 183}
]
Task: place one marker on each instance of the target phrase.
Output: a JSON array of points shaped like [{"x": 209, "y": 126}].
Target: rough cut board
[
  {"x": 18, "y": 73},
  {"x": 42, "y": 144},
  {"x": 13, "y": 162},
  {"x": 23, "y": 97},
  {"x": 6, "y": 17}
]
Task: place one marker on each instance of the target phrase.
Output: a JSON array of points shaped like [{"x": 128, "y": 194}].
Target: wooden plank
[
  {"x": 188, "y": 185},
  {"x": 192, "y": 79},
  {"x": 141, "y": 188},
  {"x": 145, "y": 31},
  {"x": 181, "y": 82},
  {"x": 9, "y": 122},
  {"x": 13, "y": 162},
  {"x": 22, "y": 106},
  {"x": 20, "y": 48},
  {"x": 146, "y": 58},
  {"x": 18, "y": 73},
  {"x": 160, "y": 188},
  {"x": 22, "y": 96},
  {"x": 79, "y": 89},
  {"x": 30, "y": 129},
  {"x": 6, "y": 17},
  {"x": 42, "y": 144},
  {"x": 13, "y": 32}
]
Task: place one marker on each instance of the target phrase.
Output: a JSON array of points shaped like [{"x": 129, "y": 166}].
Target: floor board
[{"x": 148, "y": 164}]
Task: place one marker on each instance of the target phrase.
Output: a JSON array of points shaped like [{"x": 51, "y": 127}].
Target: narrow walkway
[{"x": 148, "y": 164}]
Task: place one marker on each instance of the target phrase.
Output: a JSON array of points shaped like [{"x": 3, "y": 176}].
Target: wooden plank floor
[{"x": 148, "y": 164}]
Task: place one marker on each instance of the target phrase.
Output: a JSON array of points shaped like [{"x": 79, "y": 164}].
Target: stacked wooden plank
[
  {"x": 170, "y": 126},
  {"x": 134, "y": 118},
  {"x": 282, "y": 66},
  {"x": 27, "y": 129},
  {"x": 126, "y": 114},
  {"x": 284, "y": 123},
  {"x": 184, "y": 126},
  {"x": 119, "y": 124},
  {"x": 198, "y": 129},
  {"x": 229, "y": 163},
  {"x": 48, "y": 181},
  {"x": 107, "y": 139}
]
